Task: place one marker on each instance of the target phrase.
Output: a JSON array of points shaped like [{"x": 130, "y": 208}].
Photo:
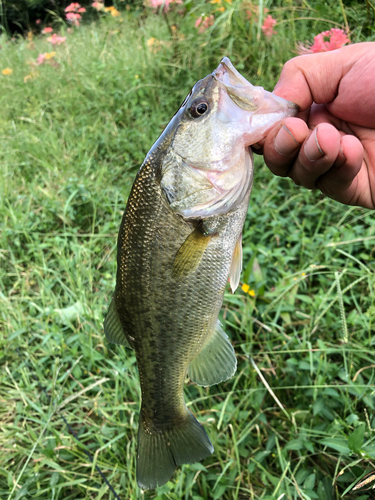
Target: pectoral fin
[
  {"x": 236, "y": 265},
  {"x": 190, "y": 254},
  {"x": 113, "y": 328},
  {"x": 216, "y": 362}
]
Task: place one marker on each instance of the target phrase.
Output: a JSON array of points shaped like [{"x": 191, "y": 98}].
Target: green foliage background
[
  {"x": 16, "y": 16},
  {"x": 73, "y": 136}
]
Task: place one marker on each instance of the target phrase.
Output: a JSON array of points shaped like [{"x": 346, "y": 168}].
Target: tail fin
[{"x": 159, "y": 452}]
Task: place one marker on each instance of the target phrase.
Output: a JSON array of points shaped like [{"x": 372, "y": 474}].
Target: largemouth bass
[{"x": 179, "y": 240}]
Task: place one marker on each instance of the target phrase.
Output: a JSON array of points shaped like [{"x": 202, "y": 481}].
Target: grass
[{"x": 297, "y": 420}]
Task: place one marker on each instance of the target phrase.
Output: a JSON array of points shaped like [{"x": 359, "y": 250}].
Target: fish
[{"x": 179, "y": 240}]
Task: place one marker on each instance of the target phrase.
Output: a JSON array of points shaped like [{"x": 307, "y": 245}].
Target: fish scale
[
  {"x": 189, "y": 305},
  {"x": 173, "y": 268}
]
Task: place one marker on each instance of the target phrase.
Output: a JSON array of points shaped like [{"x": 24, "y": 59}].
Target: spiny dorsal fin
[
  {"x": 216, "y": 362},
  {"x": 113, "y": 328},
  {"x": 190, "y": 254},
  {"x": 236, "y": 265}
]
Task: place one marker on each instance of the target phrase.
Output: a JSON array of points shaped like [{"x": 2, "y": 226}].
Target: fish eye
[{"x": 198, "y": 107}]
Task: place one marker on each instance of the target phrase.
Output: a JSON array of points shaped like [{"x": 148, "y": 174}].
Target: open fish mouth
[{"x": 248, "y": 96}]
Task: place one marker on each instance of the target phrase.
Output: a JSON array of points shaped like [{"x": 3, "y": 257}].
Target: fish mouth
[{"x": 248, "y": 96}]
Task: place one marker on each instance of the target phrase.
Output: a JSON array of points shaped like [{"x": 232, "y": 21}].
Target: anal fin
[
  {"x": 190, "y": 254},
  {"x": 236, "y": 265},
  {"x": 216, "y": 362},
  {"x": 113, "y": 328}
]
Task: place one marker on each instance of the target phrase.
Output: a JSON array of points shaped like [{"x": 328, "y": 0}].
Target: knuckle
[{"x": 290, "y": 65}]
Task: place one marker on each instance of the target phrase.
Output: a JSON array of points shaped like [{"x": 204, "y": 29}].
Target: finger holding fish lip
[
  {"x": 317, "y": 155},
  {"x": 340, "y": 182},
  {"x": 282, "y": 145},
  {"x": 307, "y": 156}
]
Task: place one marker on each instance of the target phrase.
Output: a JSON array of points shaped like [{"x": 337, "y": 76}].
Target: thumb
[{"x": 316, "y": 77}]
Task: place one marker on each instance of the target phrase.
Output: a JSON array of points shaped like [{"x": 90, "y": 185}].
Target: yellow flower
[
  {"x": 215, "y": 1},
  {"x": 221, "y": 9},
  {"x": 7, "y": 71},
  {"x": 155, "y": 45},
  {"x": 136, "y": 77},
  {"x": 246, "y": 289},
  {"x": 114, "y": 12},
  {"x": 49, "y": 55},
  {"x": 303, "y": 274},
  {"x": 30, "y": 36},
  {"x": 30, "y": 76}
]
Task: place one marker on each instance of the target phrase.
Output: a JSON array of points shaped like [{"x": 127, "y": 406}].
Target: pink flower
[
  {"x": 73, "y": 7},
  {"x": 47, "y": 30},
  {"x": 158, "y": 3},
  {"x": 325, "y": 41},
  {"x": 47, "y": 56},
  {"x": 155, "y": 4},
  {"x": 98, "y": 5},
  {"x": 203, "y": 23},
  {"x": 73, "y": 18},
  {"x": 268, "y": 25},
  {"x": 56, "y": 40},
  {"x": 73, "y": 13},
  {"x": 41, "y": 59},
  {"x": 38, "y": 21}
]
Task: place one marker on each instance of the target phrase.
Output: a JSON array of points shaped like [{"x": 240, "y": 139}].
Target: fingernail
[
  {"x": 313, "y": 151},
  {"x": 285, "y": 144},
  {"x": 341, "y": 159}
]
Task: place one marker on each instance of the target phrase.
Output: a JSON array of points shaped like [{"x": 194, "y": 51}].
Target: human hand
[{"x": 330, "y": 145}]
